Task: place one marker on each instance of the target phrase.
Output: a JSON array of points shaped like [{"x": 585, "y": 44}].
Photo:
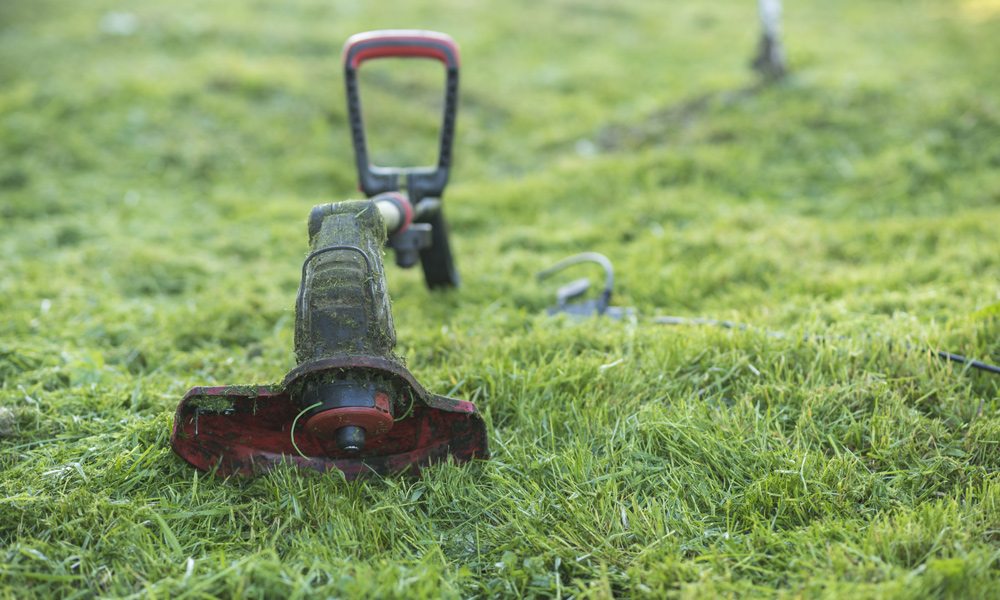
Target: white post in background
[{"x": 770, "y": 59}]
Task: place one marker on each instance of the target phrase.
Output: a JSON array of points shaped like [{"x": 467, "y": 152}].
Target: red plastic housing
[{"x": 248, "y": 429}]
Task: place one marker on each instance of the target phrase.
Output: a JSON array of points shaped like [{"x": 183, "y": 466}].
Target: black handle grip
[{"x": 421, "y": 182}]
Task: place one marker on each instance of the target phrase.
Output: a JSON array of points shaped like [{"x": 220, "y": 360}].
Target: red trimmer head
[
  {"x": 249, "y": 429},
  {"x": 350, "y": 404}
]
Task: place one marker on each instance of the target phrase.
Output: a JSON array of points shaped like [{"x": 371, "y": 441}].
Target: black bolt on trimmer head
[{"x": 350, "y": 404}]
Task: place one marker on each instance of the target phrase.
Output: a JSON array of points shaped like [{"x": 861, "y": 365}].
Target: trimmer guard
[{"x": 246, "y": 430}]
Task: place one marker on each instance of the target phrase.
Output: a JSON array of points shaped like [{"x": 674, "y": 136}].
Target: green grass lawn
[{"x": 156, "y": 171}]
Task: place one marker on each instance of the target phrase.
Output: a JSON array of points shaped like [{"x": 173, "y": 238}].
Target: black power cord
[
  {"x": 942, "y": 354},
  {"x": 602, "y": 306}
]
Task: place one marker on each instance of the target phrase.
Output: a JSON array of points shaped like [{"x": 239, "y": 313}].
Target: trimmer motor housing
[{"x": 350, "y": 404}]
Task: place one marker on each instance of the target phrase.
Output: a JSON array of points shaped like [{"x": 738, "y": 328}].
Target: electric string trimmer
[{"x": 351, "y": 404}]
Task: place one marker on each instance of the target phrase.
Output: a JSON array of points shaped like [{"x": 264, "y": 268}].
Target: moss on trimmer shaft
[{"x": 343, "y": 306}]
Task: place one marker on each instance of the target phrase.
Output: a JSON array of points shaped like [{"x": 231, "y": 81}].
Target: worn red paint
[{"x": 246, "y": 430}]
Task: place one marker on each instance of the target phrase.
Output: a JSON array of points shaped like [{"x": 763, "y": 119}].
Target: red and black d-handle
[
  {"x": 403, "y": 43},
  {"x": 421, "y": 182}
]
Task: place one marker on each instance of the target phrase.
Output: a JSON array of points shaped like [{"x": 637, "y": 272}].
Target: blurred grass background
[{"x": 158, "y": 163}]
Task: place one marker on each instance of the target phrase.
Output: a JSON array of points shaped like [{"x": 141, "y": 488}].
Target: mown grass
[{"x": 153, "y": 195}]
